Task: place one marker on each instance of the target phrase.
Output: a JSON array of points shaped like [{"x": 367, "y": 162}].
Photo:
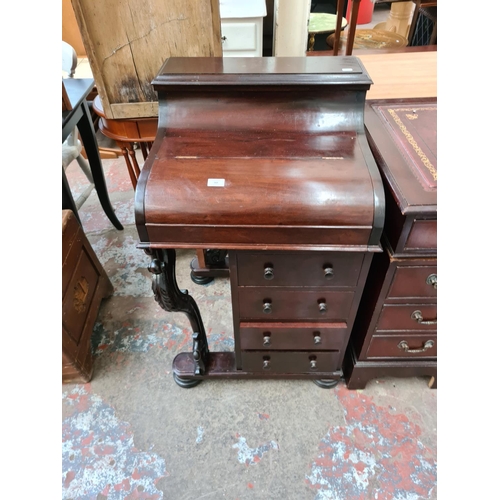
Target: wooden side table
[
  {"x": 320, "y": 22},
  {"x": 126, "y": 132}
]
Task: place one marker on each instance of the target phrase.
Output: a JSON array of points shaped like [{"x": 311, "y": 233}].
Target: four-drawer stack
[{"x": 293, "y": 311}]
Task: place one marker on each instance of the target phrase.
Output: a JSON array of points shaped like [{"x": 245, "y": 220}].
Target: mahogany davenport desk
[{"x": 268, "y": 158}]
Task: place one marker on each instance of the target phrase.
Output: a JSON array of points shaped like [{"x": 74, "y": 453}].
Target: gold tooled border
[{"x": 430, "y": 167}]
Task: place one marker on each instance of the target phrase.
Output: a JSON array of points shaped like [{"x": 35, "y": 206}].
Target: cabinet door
[{"x": 242, "y": 37}]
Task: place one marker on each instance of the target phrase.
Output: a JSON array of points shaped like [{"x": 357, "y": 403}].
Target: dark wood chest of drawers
[
  {"x": 84, "y": 285},
  {"x": 395, "y": 332},
  {"x": 267, "y": 158}
]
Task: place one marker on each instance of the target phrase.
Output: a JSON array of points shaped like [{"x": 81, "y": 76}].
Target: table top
[
  {"x": 396, "y": 75},
  {"x": 372, "y": 39},
  {"x": 401, "y": 75},
  {"x": 320, "y": 22},
  {"x": 77, "y": 89}
]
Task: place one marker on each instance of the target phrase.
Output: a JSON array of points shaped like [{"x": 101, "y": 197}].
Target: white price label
[{"x": 216, "y": 182}]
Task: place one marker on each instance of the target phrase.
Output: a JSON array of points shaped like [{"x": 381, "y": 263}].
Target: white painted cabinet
[{"x": 241, "y": 27}]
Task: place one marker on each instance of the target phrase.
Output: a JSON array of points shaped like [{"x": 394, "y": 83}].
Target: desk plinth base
[
  {"x": 359, "y": 373},
  {"x": 209, "y": 264},
  {"x": 203, "y": 275},
  {"x": 222, "y": 365}
]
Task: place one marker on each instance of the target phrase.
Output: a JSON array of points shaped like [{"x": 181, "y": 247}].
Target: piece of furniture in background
[
  {"x": 351, "y": 31},
  {"x": 76, "y": 114},
  {"x": 395, "y": 332},
  {"x": 372, "y": 39},
  {"x": 400, "y": 18},
  {"x": 319, "y": 23},
  {"x": 84, "y": 285},
  {"x": 242, "y": 27},
  {"x": 72, "y": 146},
  {"x": 126, "y": 133},
  {"x": 126, "y": 42},
  {"x": 422, "y": 27},
  {"x": 425, "y": 32}
]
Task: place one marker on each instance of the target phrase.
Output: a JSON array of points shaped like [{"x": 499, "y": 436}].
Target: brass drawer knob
[
  {"x": 322, "y": 307},
  {"x": 403, "y": 345},
  {"x": 267, "y": 339},
  {"x": 432, "y": 280},
  {"x": 417, "y": 316},
  {"x": 269, "y": 272},
  {"x": 266, "y": 365},
  {"x": 328, "y": 270},
  {"x": 317, "y": 338},
  {"x": 313, "y": 365},
  {"x": 267, "y": 308}
]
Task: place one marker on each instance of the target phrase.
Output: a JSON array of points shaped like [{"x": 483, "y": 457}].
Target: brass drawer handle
[
  {"x": 267, "y": 308},
  {"x": 312, "y": 363},
  {"x": 432, "y": 280},
  {"x": 328, "y": 270},
  {"x": 417, "y": 316},
  {"x": 406, "y": 348},
  {"x": 268, "y": 272}
]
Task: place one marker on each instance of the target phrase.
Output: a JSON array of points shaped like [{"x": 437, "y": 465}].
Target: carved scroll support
[{"x": 172, "y": 299}]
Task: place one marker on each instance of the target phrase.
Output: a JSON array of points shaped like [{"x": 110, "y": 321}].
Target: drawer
[
  {"x": 78, "y": 296},
  {"x": 299, "y": 269},
  {"x": 295, "y": 336},
  {"x": 272, "y": 304},
  {"x": 422, "y": 236},
  {"x": 290, "y": 361},
  {"x": 408, "y": 317},
  {"x": 403, "y": 346},
  {"x": 414, "y": 282}
]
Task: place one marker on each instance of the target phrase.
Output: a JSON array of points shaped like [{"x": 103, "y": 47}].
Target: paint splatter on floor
[
  {"x": 375, "y": 455},
  {"x": 252, "y": 456},
  {"x": 99, "y": 456},
  {"x": 199, "y": 434}
]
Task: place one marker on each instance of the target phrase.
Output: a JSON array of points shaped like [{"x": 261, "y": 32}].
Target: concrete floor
[{"x": 132, "y": 433}]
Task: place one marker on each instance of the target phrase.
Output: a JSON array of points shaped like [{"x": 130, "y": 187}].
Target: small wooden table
[
  {"x": 320, "y": 22},
  {"x": 126, "y": 132},
  {"x": 77, "y": 90}
]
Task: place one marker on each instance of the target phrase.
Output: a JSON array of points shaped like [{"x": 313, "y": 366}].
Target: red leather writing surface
[{"x": 414, "y": 130}]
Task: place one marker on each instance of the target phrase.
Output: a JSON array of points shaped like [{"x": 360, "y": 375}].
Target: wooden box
[
  {"x": 395, "y": 332},
  {"x": 84, "y": 285},
  {"x": 126, "y": 43}
]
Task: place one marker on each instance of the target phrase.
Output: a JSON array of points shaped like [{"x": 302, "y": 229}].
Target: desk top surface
[{"x": 260, "y": 71}]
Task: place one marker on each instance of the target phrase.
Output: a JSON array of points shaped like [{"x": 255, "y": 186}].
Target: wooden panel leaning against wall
[{"x": 125, "y": 56}]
